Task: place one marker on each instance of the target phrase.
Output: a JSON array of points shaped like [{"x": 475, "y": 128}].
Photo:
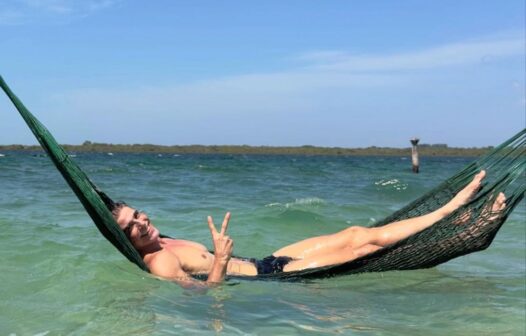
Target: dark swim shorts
[{"x": 271, "y": 264}]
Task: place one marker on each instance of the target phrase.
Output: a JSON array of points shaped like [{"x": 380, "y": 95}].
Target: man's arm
[{"x": 167, "y": 265}]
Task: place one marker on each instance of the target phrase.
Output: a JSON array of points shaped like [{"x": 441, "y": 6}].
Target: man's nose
[{"x": 143, "y": 219}]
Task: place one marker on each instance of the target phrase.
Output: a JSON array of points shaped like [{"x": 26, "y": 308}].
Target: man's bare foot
[
  {"x": 465, "y": 195},
  {"x": 499, "y": 204},
  {"x": 487, "y": 214}
]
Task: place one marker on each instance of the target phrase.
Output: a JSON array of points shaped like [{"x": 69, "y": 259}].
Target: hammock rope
[
  {"x": 470, "y": 228},
  {"x": 94, "y": 201}
]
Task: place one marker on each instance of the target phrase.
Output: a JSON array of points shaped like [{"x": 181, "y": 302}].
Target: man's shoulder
[
  {"x": 161, "y": 257},
  {"x": 164, "y": 263}
]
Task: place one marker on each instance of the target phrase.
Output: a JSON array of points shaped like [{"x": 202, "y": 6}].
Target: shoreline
[{"x": 424, "y": 150}]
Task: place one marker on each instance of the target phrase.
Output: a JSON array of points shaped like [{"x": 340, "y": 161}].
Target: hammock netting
[{"x": 470, "y": 228}]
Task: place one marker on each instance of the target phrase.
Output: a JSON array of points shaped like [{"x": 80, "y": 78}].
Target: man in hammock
[{"x": 177, "y": 259}]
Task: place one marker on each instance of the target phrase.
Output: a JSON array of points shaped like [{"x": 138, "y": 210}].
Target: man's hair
[{"x": 116, "y": 208}]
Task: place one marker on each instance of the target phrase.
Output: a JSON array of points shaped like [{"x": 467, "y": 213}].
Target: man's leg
[
  {"x": 333, "y": 258},
  {"x": 347, "y": 254},
  {"x": 391, "y": 233},
  {"x": 347, "y": 243}
]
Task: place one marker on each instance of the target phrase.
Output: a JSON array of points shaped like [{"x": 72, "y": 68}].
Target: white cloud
[
  {"x": 328, "y": 71},
  {"x": 454, "y": 54},
  {"x": 337, "y": 99},
  {"x": 20, "y": 12},
  {"x": 234, "y": 96}
]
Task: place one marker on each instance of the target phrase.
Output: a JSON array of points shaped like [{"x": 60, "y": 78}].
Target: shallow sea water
[{"x": 60, "y": 277}]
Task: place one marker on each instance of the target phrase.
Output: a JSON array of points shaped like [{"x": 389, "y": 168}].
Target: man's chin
[
  {"x": 150, "y": 237},
  {"x": 154, "y": 234}
]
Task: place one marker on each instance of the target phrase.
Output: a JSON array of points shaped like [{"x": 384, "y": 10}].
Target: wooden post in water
[{"x": 414, "y": 155}]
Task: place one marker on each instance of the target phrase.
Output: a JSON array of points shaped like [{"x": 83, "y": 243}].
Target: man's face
[{"x": 137, "y": 227}]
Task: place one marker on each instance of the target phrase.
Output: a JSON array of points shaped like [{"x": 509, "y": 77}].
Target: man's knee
[{"x": 357, "y": 236}]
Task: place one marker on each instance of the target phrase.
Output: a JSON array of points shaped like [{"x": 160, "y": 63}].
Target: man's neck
[{"x": 155, "y": 246}]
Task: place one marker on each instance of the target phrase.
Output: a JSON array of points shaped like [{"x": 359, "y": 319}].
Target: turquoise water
[{"x": 60, "y": 277}]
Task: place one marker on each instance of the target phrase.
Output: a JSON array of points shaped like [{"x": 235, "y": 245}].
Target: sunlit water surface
[{"x": 59, "y": 276}]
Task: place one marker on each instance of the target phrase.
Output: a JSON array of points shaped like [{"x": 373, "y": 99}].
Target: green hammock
[
  {"x": 470, "y": 228},
  {"x": 93, "y": 200}
]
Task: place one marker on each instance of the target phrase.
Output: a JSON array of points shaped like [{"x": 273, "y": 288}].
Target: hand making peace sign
[{"x": 223, "y": 245}]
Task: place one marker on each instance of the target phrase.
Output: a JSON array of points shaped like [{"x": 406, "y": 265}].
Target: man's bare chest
[{"x": 193, "y": 257}]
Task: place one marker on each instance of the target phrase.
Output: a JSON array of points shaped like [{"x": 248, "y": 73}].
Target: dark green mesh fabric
[
  {"x": 470, "y": 228},
  {"x": 94, "y": 201}
]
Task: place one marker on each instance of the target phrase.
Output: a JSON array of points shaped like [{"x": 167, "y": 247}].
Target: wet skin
[{"x": 177, "y": 258}]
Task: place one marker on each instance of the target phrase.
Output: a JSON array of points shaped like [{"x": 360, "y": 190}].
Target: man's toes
[
  {"x": 480, "y": 176},
  {"x": 500, "y": 202},
  {"x": 475, "y": 183}
]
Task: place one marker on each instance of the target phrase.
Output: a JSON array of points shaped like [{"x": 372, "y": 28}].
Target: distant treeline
[{"x": 424, "y": 149}]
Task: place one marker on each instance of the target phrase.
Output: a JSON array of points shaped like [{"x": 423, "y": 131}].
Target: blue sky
[{"x": 326, "y": 73}]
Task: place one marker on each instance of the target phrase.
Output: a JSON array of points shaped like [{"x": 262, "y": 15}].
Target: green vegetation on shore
[{"x": 424, "y": 149}]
